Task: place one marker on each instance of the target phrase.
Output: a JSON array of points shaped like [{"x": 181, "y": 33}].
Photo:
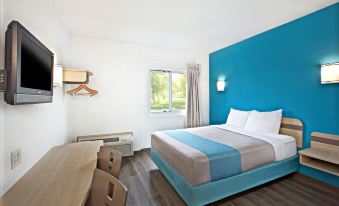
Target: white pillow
[
  {"x": 266, "y": 122},
  {"x": 237, "y": 118}
]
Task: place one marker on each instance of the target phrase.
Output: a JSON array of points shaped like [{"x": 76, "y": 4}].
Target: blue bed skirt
[{"x": 213, "y": 191}]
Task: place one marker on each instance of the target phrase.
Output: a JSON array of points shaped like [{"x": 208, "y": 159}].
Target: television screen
[
  {"x": 35, "y": 66},
  {"x": 29, "y": 66}
]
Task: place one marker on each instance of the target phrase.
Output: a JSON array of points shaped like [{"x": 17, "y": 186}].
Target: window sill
[{"x": 168, "y": 114}]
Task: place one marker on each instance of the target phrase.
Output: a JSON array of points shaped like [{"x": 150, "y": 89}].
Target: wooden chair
[
  {"x": 109, "y": 160},
  {"x": 100, "y": 194}
]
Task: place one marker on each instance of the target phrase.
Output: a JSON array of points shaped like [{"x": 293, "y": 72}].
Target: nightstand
[{"x": 323, "y": 153}]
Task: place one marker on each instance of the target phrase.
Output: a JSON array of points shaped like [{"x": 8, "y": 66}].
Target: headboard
[{"x": 293, "y": 127}]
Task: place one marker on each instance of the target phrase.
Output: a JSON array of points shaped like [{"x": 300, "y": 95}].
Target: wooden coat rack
[
  {"x": 77, "y": 91},
  {"x": 79, "y": 77}
]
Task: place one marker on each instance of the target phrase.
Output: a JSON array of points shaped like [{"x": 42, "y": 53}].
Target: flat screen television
[{"x": 29, "y": 66}]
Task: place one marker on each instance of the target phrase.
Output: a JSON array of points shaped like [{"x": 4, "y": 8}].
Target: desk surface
[{"x": 62, "y": 177}]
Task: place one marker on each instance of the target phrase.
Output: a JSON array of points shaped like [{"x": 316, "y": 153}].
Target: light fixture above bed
[
  {"x": 330, "y": 73},
  {"x": 221, "y": 85}
]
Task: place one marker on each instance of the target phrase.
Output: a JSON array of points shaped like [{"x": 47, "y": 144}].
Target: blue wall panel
[{"x": 280, "y": 68}]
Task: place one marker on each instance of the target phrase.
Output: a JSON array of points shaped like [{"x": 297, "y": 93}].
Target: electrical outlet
[{"x": 15, "y": 158}]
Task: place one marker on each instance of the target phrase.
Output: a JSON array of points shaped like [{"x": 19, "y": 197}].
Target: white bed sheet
[{"x": 284, "y": 146}]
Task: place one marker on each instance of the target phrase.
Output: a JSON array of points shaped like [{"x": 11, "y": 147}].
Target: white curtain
[{"x": 193, "y": 117}]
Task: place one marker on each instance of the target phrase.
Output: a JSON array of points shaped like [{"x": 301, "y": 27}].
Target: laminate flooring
[{"x": 148, "y": 187}]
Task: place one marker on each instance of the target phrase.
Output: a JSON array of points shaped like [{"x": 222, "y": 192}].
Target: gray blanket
[{"x": 209, "y": 153}]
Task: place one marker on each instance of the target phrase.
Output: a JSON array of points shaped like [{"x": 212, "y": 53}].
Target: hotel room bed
[{"x": 206, "y": 164}]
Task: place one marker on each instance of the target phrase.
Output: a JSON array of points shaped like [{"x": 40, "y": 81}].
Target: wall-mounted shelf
[
  {"x": 323, "y": 154},
  {"x": 72, "y": 76}
]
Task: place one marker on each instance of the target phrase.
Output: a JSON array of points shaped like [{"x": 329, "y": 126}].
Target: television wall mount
[{"x": 2, "y": 80}]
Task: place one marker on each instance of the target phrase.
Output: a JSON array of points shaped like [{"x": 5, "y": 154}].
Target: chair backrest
[
  {"x": 100, "y": 194},
  {"x": 109, "y": 160}
]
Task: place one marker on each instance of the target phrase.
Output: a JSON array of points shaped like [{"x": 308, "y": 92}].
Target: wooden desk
[{"x": 62, "y": 177}]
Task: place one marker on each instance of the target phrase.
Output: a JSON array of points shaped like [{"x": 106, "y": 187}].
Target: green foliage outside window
[
  {"x": 178, "y": 91},
  {"x": 162, "y": 94}
]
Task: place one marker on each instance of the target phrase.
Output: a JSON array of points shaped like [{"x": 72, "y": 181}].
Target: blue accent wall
[{"x": 280, "y": 68}]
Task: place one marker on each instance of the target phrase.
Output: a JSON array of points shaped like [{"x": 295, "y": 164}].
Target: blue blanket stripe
[{"x": 225, "y": 161}]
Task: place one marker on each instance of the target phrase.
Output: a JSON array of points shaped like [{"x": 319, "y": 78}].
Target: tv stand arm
[{"x": 2, "y": 80}]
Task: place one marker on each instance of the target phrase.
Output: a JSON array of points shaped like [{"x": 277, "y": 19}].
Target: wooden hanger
[{"x": 76, "y": 91}]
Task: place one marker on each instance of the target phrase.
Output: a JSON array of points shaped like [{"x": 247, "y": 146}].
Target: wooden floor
[{"x": 147, "y": 186}]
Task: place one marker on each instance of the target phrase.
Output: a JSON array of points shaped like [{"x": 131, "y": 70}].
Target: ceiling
[{"x": 206, "y": 25}]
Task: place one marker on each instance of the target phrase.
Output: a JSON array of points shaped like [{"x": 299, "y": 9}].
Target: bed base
[{"x": 213, "y": 191}]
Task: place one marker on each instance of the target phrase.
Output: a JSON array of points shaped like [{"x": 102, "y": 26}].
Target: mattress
[{"x": 206, "y": 154}]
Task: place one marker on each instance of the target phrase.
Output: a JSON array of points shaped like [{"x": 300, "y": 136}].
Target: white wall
[
  {"x": 33, "y": 128},
  {"x": 121, "y": 75}
]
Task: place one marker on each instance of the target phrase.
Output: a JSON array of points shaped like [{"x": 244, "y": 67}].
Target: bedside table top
[{"x": 326, "y": 154}]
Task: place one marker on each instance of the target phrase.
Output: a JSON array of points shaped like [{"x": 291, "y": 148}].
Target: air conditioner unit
[{"x": 120, "y": 141}]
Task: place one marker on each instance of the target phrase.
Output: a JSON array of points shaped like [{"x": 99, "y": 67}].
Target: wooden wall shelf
[
  {"x": 72, "y": 76},
  {"x": 323, "y": 154}
]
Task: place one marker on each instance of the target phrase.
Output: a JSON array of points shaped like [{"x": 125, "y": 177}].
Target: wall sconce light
[
  {"x": 58, "y": 76},
  {"x": 330, "y": 73},
  {"x": 221, "y": 85}
]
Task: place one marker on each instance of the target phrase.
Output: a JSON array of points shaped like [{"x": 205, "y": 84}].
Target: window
[{"x": 168, "y": 90}]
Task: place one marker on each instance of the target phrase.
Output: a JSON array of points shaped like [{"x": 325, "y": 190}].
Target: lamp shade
[
  {"x": 221, "y": 85},
  {"x": 330, "y": 73}
]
